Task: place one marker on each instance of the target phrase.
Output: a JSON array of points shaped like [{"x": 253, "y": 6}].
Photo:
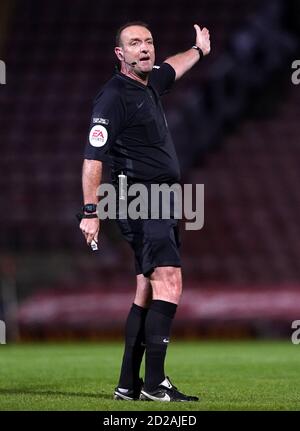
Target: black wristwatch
[
  {"x": 201, "y": 54},
  {"x": 89, "y": 208}
]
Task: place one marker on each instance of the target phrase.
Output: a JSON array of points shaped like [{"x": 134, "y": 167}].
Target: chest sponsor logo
[
  {"x": 98, "y": 136},
  {"x": 98, "y": 120}
]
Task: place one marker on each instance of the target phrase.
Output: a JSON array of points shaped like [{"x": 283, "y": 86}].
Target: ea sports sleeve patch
[{"x": 98, "y": 136}]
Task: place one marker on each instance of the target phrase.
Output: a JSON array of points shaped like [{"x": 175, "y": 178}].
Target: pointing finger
[{"x": 89, "y": 238}]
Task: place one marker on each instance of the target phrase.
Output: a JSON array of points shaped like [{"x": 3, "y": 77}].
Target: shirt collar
[{"x": 132, "y": 81}]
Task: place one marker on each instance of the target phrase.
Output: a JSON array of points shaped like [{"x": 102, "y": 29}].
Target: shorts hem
[{"x": 150, "y": 269}]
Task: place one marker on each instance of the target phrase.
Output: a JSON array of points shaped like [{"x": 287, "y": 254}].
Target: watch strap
[
  {"x": 80, "y": 216},
  {"x": 201, "y": 54}
]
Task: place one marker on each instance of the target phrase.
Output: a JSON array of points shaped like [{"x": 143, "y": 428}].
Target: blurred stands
[
  {"x": 58, "y": 57},
  {"x": 210, "y": 311},
  {"x": 243, "y": 145},
  {"x": 251, "y": 232}
]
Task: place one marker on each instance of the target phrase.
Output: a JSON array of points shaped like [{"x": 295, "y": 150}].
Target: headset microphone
[{"x": 132, "y": 63}]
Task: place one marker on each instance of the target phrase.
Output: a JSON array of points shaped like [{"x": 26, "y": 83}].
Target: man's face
[{"x": 137, "y": 46}]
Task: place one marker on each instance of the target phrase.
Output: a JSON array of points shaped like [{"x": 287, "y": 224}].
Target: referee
[{"x": 128, "y": 130}]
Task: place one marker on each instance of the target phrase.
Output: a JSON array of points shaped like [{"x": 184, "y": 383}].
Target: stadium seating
[{"x": 57, "y": 58}]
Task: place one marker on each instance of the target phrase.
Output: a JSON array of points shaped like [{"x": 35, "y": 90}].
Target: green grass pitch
[{"x": 241, "y": 375}]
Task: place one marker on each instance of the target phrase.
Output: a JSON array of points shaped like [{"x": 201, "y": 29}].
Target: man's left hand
[{"x": 202, "y": 39}]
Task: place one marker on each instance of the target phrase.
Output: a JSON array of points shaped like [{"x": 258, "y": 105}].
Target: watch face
[{"x": 90, "y": 208}]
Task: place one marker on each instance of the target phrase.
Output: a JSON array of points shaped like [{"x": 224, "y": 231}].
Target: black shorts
[{"x": 154, "y": 242}]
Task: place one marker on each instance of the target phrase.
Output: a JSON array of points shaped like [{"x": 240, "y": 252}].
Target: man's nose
[{"x": 144, "y": 48}]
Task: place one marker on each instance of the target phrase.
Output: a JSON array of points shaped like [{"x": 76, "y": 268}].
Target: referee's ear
[{"x": 119, "y": 53}]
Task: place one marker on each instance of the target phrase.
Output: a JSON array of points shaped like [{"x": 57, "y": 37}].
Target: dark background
[{"x": 235, "y": 122}]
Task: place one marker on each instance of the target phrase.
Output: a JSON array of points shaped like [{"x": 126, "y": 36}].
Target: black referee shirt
[{"x": 129, "y": 130}]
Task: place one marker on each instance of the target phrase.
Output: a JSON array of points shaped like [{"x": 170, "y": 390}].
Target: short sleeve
[
  {"x": 162, "y": 78},
  {"x": 106, "y": 124}
]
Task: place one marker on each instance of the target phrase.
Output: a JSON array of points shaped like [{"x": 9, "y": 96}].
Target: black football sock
[
  {"x": 157, "y": 329},
  {"x": 134, "y": 347}
]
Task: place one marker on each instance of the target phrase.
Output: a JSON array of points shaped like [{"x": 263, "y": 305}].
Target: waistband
[{"x": 133, "y": 180}]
